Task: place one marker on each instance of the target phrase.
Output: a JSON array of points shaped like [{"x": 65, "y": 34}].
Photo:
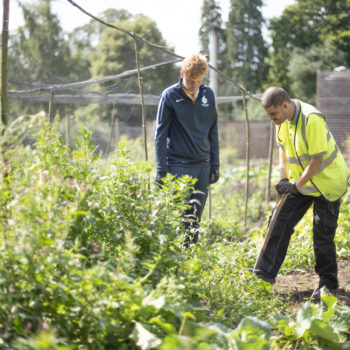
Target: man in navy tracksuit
[{"x": 186, "y": 137}]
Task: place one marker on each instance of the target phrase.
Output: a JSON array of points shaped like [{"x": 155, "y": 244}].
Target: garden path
[{"x": 299, "y": 286}]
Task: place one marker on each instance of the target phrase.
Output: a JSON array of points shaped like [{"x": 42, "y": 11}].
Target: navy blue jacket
[{"x": 186, "y": 131}]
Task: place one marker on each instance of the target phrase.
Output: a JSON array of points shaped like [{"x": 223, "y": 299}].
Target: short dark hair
[{"x": 274, "y": 96}]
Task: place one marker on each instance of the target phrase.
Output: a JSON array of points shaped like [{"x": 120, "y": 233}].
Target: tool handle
[{"x": 281, "y": 198}]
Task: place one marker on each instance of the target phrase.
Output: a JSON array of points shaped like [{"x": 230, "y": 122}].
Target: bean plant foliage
[{"x": 92, "y": 257}]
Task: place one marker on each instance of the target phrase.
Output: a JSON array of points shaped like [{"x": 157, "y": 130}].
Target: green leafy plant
[
  {"x": 92, "y": 258},
  {"x": 324, "y": 325}
]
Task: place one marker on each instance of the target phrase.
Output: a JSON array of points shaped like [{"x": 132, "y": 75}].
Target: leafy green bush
[
  {"x": 314, "y": 327},
  {"x": 92, "y": 257},
  {"x": 87, "y": 250},
  {"x": 342, "y": 238}
]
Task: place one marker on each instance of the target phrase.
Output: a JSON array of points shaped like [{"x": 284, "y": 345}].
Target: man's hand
[
  {"x": 159, "y": 178},
  {"x": 214, "y": 174},
  {"x": 284, "y": 186},
  {"x": 280, "y": 183}
]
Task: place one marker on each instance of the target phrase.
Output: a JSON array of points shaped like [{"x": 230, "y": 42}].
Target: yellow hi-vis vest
[{"x": 305, "y": 137}]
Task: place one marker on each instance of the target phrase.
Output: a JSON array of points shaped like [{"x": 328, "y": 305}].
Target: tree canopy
[
  {"x": 309, "y": 35},
  {"x": 40, "y": 55},
  {"x": 210, "y": 20},
  {"x": 43, "y": 54},
  {"x": 307, "y": 29},
  {"x": 115, "y": 53},
  {"x": 246, "y": 49}
]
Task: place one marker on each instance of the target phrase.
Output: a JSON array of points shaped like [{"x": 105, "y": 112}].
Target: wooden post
[
  {"x": 51, "y": 107},
  {"x": 68, "y": 130},
  {"x": 247, "y": 157},
  {"x": 268, "y": 190},
  {"x": 213, "y": 83},
  {"x": 4, "y": 56},
  {"x": 142, "y": 100},
  {"x": 4, "y": 101},
  {"x": 110, "y": 132},
  {"x": 117, "y": 131}
]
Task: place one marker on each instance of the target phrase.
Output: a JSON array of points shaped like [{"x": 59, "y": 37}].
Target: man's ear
[
  {"x": 285, "y": 105},
  {"x": 182, "y": 74}
]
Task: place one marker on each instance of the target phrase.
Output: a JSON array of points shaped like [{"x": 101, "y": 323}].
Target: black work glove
[
  {"x": 280, "y": 183},
  {"x": 284, "y": 186},
  {"x": 159, "y": 178},
  {"x": 214, "y": 174}
]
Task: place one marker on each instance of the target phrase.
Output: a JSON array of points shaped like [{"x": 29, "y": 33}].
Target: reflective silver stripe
[
  {"x": 304, "y": 157},
  {"x": 328, "y": 161},
  {"x": 318, "y": 154},
  {"x": 309, "y": 189},
  {"x": 294, "y": 160},
  {"x": 303, "y": 130},
  {"x": 328, "y": 135}
]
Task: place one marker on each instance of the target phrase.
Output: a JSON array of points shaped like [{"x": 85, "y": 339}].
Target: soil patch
[{"x": 298, "y": 287}]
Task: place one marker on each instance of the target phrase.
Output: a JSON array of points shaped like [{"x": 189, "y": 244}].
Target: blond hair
[{"x": 195, "y": 66}]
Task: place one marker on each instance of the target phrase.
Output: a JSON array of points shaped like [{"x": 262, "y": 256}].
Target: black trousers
[{"x": 325, "y": 220}]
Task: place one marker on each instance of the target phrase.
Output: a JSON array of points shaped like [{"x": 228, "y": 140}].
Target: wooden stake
[
  {"x": 144, "y": 128},
  {"x": 247, "y": 156},
  {"x": 111, "y": 132},
  {"x": 268, "y": 189},
  {"x": 4, "y": 57},
  {"x": 67, "y": 130},
  {"x": 51, "y": 107}
]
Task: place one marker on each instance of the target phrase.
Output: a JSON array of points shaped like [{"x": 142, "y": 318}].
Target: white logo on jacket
[{"x": 204, "y": 102}]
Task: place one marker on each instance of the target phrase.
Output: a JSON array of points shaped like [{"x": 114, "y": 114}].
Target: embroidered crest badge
[{"x": 204, "y": 102}]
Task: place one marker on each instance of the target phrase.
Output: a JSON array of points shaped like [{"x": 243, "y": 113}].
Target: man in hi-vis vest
[{"x": 312, "y": 171}]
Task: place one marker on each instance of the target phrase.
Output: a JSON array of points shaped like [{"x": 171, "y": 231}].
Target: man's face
[
  {"x": 278, "y": 114},
  {"x": 190, "y": 84}
]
